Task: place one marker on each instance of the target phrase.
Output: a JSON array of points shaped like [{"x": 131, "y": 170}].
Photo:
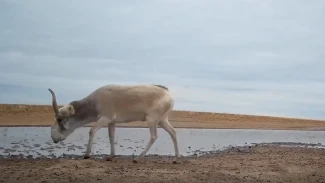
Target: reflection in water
[{"x": 3, "y": 131}]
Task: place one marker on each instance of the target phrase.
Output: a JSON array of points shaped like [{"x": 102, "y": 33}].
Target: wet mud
[
  {"x": 36, "y": 141},
  {"x": 245, "y": 164}
]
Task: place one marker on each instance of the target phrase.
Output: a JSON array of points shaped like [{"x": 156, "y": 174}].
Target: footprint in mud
[
  {"x": 128, "y": 140},
  {"x": 46, "y": 148},
  {"x": 26, "y": 151},
  {"x": 9, "y": 150},
  {"x": 26, "y": 146},
  {"x": 37, "y": 145},
  {"x": 29, "y": 157},
  {"x": 15, "y": 146},
  {"x": 79, "y": 147}
]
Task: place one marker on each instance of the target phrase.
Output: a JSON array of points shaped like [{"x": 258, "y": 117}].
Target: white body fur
[{"x": 113, "y": 104}]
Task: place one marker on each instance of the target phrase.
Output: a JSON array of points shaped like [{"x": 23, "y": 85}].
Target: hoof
[
  {"x": 110, "y": 158},
  {"x": 86, "y": 157},
  {"x": 175, "y": 162},
  {"x": 135, "y": 161}
]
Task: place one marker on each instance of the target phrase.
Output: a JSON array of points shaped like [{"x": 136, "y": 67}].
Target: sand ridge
[{"x": 42, "y": 115}]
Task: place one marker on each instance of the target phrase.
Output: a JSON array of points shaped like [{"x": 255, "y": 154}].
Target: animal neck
[
  {"x": 78, "y": 122},
  {"x": 85, "y": 112}
]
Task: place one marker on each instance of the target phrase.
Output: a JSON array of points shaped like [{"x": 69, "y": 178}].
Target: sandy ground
[
  {"x": 260, "y": 164},
  {"x": 38, "y": 115}
]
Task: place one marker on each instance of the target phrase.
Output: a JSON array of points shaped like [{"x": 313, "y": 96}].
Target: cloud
[{"x": 250, "y": 56}]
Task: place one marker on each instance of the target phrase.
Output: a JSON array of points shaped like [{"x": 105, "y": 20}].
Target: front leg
[
  {"x": 103, "y": 121},
  {"x": 152, "y": 124},
  {"x": 111, "y": 134}
]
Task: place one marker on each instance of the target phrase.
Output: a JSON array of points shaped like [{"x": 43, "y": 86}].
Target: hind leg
[
  {"x": 152, "y": 125},
  {"x": 172, "y": 132},
  {"x": 111, "y": 134}
]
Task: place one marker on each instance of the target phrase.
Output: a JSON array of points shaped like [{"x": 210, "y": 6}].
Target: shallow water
[{"x": 36, "y": 141}]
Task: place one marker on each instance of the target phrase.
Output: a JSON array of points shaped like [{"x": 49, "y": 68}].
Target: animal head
[{"x": 62, "y": 122}]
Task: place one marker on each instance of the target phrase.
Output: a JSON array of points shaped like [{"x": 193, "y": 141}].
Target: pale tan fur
[
  {"x": 67, "y": 110},
  {"x": 113, "y": 104}
]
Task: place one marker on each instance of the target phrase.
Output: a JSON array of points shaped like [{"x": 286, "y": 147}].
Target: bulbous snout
[
  {"x": 56, "y": 135},
  {"x": 55, "y": 141}
]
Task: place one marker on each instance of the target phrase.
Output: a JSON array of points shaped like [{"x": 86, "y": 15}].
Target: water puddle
[{"x": 36, "y": 141}]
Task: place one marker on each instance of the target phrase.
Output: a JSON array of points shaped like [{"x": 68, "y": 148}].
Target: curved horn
[{"x": 54, "y": 103}]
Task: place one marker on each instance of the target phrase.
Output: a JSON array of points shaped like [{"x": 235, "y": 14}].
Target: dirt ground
[
  {"x": 261, "y": 164},
  {"x": 39, "y": 115}
]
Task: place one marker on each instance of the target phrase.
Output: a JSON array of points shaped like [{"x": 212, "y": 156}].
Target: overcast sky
[{"x": 262, "y": 57}]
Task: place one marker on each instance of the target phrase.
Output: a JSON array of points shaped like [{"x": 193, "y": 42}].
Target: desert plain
[{"x": 261, "y": 163}]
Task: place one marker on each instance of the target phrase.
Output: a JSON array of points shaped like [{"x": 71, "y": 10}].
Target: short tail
[{"x": 164, "y": 87}]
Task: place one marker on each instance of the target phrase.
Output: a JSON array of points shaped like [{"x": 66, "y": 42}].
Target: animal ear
[{"x": 71, "y": 110}]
